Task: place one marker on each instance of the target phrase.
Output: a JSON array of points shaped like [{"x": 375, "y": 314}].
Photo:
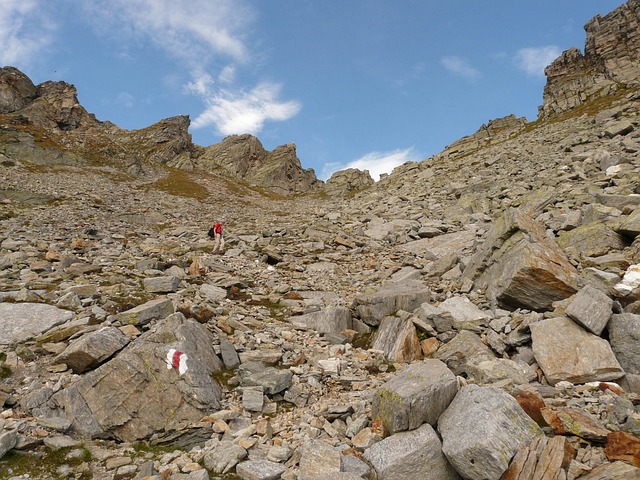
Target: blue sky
[{"x": 368, "y": 84}]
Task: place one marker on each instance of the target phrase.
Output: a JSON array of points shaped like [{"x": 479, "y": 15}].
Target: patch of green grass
[
  {"x": 43, "y": 463},
  {"x": 5, "y": 371},
  {"x": 179, "y": 183}
]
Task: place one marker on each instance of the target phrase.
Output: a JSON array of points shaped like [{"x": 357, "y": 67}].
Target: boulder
[
  {"x": 414, "y": 455},
  {"x": 630, "y": 225},
  {"x": 260, "y": 470},
  {"x": 624, "y": 337},
  {"x": 8, "y": 440},
  {"x": 591, "y": 240},
  {"x": 465, "y": 349},
  {"x": 329, "y": 320},
  {"x": 389, "y": 298},
  {"x": 566, "y": 351},
  {"x": 142, "y": 314},
  {"x": 591, "y": 308},
  {"x": 414, "y": 396},
  {"x": 20, "y": 322},
  {"x": 464, "y": 313},
  {"x": 482, "y": 430},
  {"x": 272, "y": 379},
  {"x": 318, "y": 458},
  {"x": 520, "y": 266},
  {"x": 92, "y": 349},
  {"x": 162, "y": 380},
  {"x": 163, "y": 284},
  {"x": 398, "y": 339}
]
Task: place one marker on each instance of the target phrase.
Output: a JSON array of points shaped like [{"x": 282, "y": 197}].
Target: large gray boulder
[
  {"x": 398, "y": 339},
  {"x": 23, "y": 321},
  {"x": 159, "y": 382},
  {"x": 591, "y": 308},
  {"x": 389, "y": 298},
  {"x": 464, "y": 350},
  {"x": 329, "y": 320},
  {"x": 520, "y": 266},
  {"x": 624, "y": 337},
  {"x": 156, "y": 309},
  {"x": 414, "y": 396},
  {"x": 566, "y": 351},
  {"x": 92, "y": 349},
  {"x": 483, "y": 428},
  {"x": 414, "y": 455}
]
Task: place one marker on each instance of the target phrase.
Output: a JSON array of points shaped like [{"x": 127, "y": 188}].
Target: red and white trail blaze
[{"x": 177, "y": 360}]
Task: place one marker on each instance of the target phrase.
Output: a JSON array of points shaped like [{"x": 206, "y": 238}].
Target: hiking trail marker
[{"x": 177, "y": 360}]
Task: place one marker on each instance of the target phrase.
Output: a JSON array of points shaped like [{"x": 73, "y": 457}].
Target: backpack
[{"x": 211, "y": 233}]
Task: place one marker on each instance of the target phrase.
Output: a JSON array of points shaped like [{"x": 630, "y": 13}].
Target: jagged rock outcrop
[
  {"x": 244, "y": 157},
  {"x": 16, "y": 90},
  {"x": 348, "y": 182},
  {"x": 609, "y": 63},
  {"x": 51, "y": 126},
  {"x": 494, "y": 131}
]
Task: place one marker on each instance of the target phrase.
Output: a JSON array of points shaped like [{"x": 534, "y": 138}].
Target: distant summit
[{"x": 47, "y": 124}]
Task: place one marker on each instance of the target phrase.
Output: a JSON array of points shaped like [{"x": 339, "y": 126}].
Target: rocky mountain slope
[{"x": 474, "y": 315}]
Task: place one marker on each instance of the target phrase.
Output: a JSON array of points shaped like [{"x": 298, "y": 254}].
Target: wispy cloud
[
  {"x": 245, "y": 111},
  {"x": 202, "y": 35},
  {"x": 191, "y": 30},
  {"x": 534, "y": 60},
  {"x": 376, "y": 163},
  {"x": 460, "y": 66},
  {"x": 24, "y": 32}
]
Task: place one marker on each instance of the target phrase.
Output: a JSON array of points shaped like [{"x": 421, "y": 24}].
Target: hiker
[{"x": 218, "y": 237}]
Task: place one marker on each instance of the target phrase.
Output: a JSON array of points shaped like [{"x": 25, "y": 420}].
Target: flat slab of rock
[
  {"x": 329, "y": 320},
  {"x": 566, "y": 351},
  {"x": 482, "y": 430},
  {"x": 389, "y": 298},
  {"x": 591, "y": 308},
  {"x": 142, "y": 314},
  {"x": 414, "y": 455},
  {"x": 23, "y": 321},
  {"x": 92, "y": 349},
  {"x": 417, "y": 395}
]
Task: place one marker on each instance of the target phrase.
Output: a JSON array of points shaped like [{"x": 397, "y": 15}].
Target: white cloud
[
  {"x": 534, "y": 60},
  {"x": 376, "y": 163},
  {"x": 460, "y": 66},
  {"x": 126, "y": 100},
  {"x": 245, "y": 112},
  {"x": 24, "y": 32},
  {"x": 191, "y": 30}
]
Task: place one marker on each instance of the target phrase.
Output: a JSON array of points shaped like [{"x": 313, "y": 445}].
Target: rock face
[
  {"x": 495, "y": 130},
  {"x": 348, "y": 182},
  {"x": 54, "y": 106},
  {"x": 610, "y": 61},
  {"x": 244, "y": 157}
]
